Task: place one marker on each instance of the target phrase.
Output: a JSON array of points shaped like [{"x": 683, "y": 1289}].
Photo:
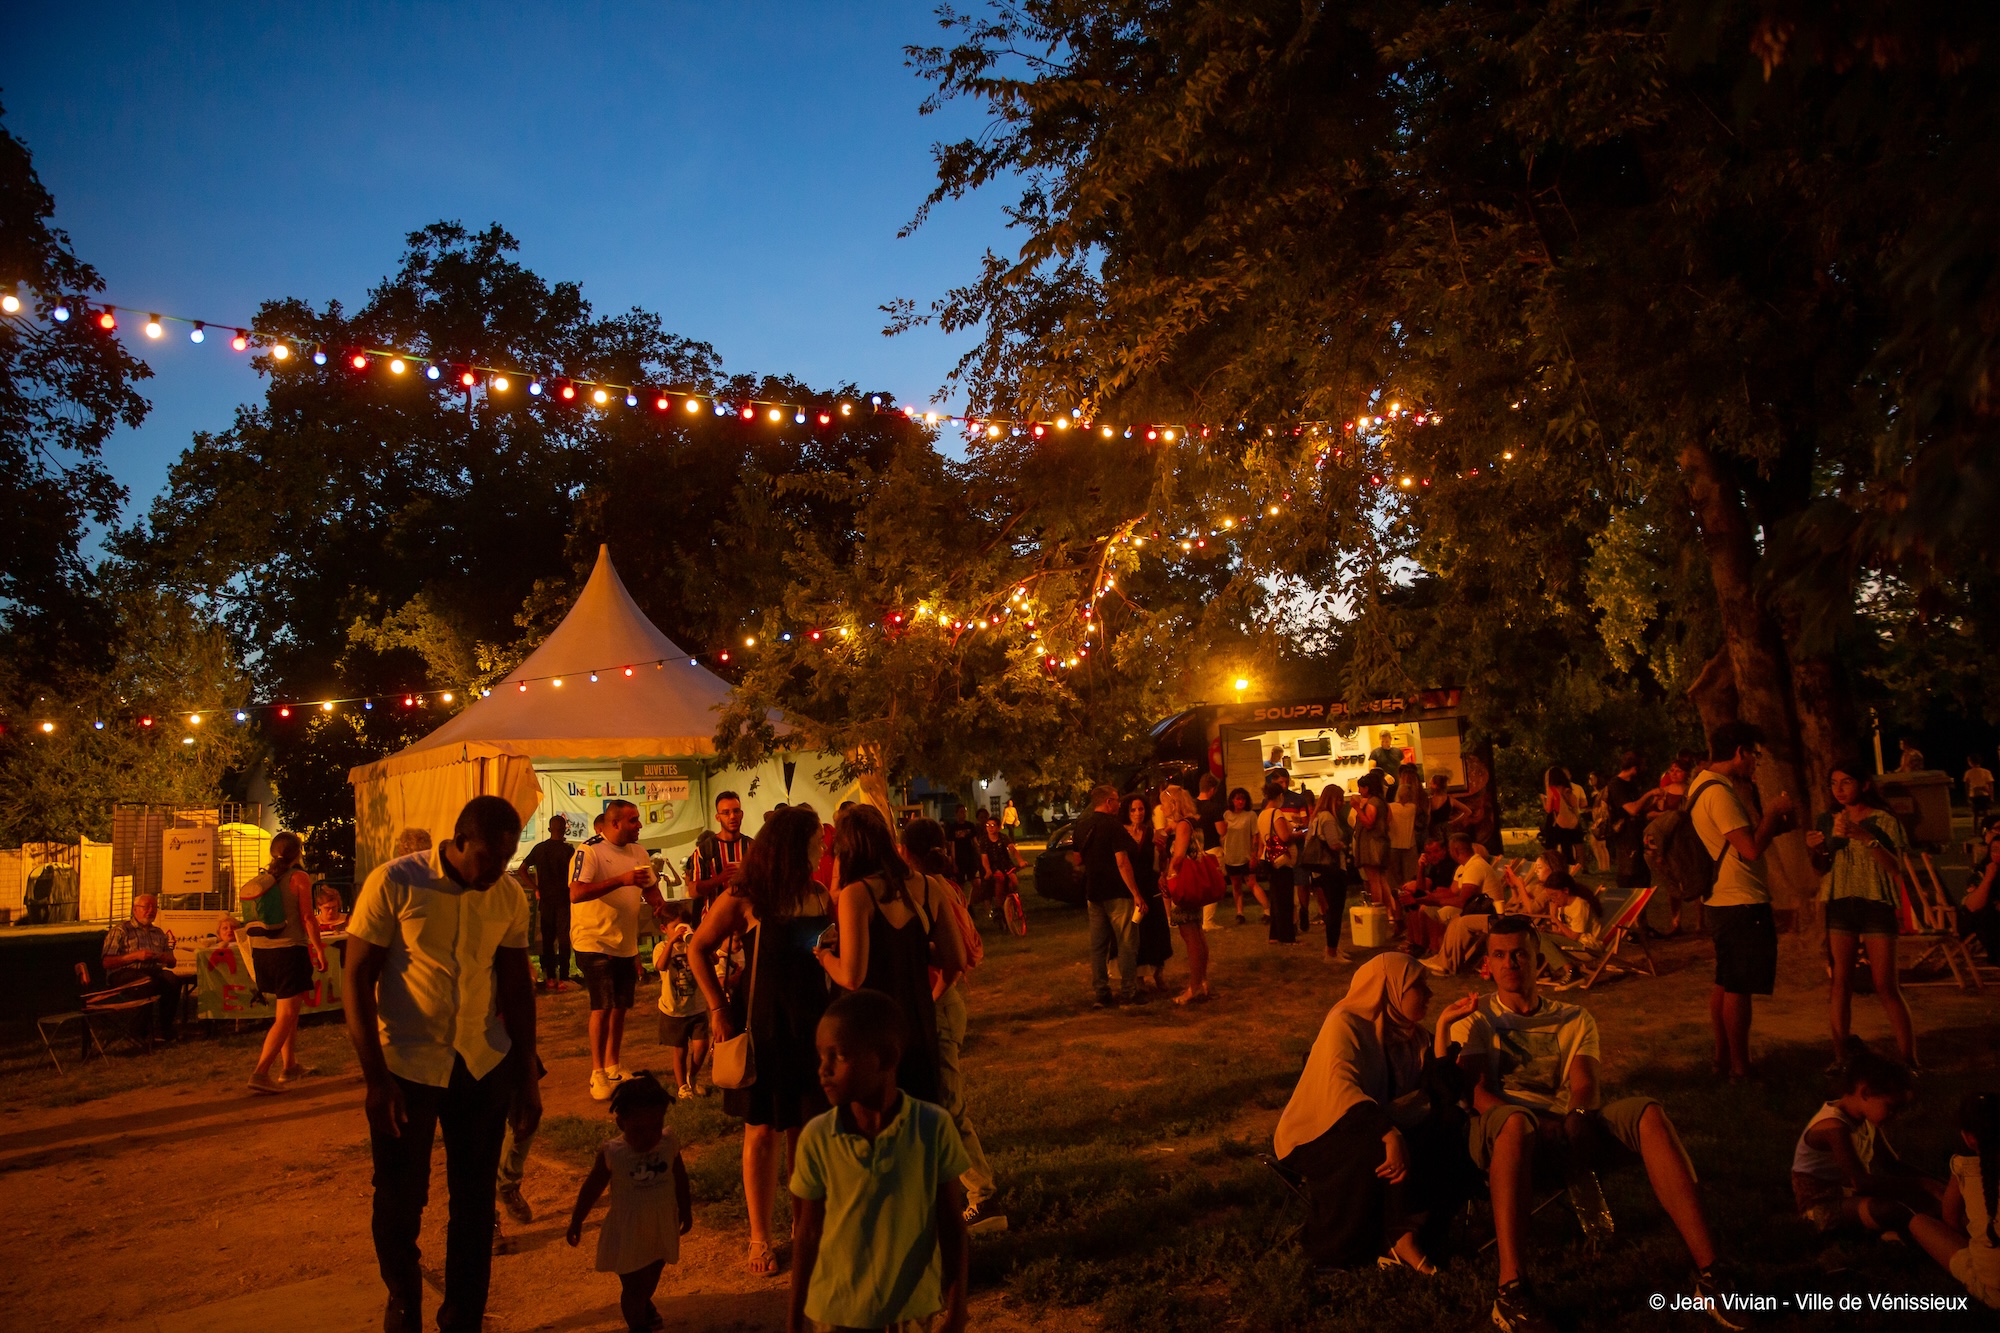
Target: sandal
[
  {"x": 1395, "y": 1260},
  {"x": 763, "y": 1260}
]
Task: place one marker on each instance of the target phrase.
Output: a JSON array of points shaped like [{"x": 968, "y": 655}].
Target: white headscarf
[{"x": 1370, "y": 1049}]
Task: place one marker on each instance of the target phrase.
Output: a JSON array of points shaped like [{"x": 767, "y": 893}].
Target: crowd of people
[{"x": 812, "y": 974}]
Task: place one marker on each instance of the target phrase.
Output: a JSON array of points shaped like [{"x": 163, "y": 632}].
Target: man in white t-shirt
[
  {"x": 1978, "y": 790},
  {"x": 1532, "y": 1063},
  {"x": 608, "y": 879},
  {"x": 1738, "y": 911}
]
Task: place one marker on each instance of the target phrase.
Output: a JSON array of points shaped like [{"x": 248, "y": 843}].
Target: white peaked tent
[{"x": 568, "y": 747}]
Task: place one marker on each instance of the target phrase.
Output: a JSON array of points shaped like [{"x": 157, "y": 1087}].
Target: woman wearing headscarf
[{"x": 1373, "y": 1124}]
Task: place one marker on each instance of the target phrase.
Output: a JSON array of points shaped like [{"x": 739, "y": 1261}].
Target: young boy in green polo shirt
[{"x": 878, "y": 1226}]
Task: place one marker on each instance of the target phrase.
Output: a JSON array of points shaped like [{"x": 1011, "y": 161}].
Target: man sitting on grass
[{"x": 1532, "y": 1064}]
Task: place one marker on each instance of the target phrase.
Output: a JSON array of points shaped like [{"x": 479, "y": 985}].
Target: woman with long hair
[
  {"x": 1156, "y": 940},
  {"x": 284, "y": 954},
  {"x": 1328, "y": 880},
  {"x": 1855, "y": 847},
  {"x": 1562, "y": 815},
  {"x": 780, "y": 911},
  {"x": 894, "y": 927},
  {"x": 1239, "y": 851},
  {"x": 1184, "y": 841},
  {"x": 1371, "y": 842}
]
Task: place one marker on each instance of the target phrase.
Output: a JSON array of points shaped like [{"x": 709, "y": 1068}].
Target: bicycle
[{"x": 1011, "y": 910}]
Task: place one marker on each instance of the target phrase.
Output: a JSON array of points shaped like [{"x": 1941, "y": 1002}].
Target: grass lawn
[{"x": 1125, "y": 1141}]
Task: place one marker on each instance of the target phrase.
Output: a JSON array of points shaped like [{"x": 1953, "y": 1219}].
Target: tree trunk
[{"x": 1762, "y": 680}]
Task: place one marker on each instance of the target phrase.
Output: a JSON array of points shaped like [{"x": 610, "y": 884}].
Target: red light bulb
[
  {"x": 282, "y": 712},
  {"x": 725, "y": 656},
  {"x": 360, "y": 362},
  {"x": 569, "y": 391},
  {"x": 748, "y": 413},
  {"x": 107, "y": 320},
  {"x": 467, "y": 379},
  {"x": 824, "y": 419},
  {"x": 241, "y": 342},
  {"x": 145, "y": 721}
]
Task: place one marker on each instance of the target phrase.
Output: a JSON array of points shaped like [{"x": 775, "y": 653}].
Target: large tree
[
  {"x": 362, "y": 532},
  {"x": 65, "y": 385},
  {"x": 1534, "y": 298}
]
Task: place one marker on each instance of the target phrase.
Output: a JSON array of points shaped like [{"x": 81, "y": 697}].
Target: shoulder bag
[{"x": 733, "y": 1063}]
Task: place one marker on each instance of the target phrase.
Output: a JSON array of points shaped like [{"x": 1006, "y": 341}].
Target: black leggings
[
  {"x": 635, "y": 1296},
  {"x": 1331, "y": 881},
  {"x": 1282, "y": 894}
]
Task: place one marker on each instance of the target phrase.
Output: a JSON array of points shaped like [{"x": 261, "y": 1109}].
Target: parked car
[{"x": 1055, "y": 875}]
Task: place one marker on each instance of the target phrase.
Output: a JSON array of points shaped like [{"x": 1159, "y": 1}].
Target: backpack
[
  {"x": 262, "y": 901},
  {"x": 1316, "y": 851},
  {"x": 1680, "y": 859}
]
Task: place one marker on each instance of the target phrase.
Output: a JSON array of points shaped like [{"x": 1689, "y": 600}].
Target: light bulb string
[{"x": 990, "y": 425}]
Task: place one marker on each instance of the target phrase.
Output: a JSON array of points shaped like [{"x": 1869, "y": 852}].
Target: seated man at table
[
  {"x": 136, "y": 950},
  {"x": 1532, "y": 1065}
]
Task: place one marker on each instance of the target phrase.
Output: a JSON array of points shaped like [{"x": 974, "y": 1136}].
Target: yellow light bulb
[
  {"x": 1274, "y": 510},
  {"x": 396, "y": 366},
  {"x": 194, "y": 719},
  {"x": 446, "y": 696},
  {"x": 500, "y": 383},
  {"x": 48, "y": 727},
  {"x": 600, "y": 398},
  {"x": 1062, "y": 423},
  {"x": 775, "y": 414},
  {"x": 1168, "y": 437},
  {"x": 1242, "y": 684},
  {"x": 750, "y": 642},
  {"x": 279, "y": 351},
  {"x": 326, "y": 707}
]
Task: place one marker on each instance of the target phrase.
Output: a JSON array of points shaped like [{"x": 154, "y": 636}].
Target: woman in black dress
[
  {"x": 1156, "y": 935},
  {"x": 894, "y": 926},
  {"x": 778, "y": 909}
]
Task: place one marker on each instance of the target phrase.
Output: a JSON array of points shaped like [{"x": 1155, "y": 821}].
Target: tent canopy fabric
[{"x": 666, "y": 707}]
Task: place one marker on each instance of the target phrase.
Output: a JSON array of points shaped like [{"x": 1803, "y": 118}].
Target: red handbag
[{"x": 1197, "y": 883}]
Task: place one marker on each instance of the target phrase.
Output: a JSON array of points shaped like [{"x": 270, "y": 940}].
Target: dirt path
[{"x": 199, "y": 1208}]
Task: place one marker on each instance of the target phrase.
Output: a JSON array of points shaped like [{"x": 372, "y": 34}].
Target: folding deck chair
[
  {"x": 1624, "y": 928},
  {"x": 1929, "y": 921}
]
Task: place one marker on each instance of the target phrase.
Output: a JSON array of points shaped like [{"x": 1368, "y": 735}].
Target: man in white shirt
[
  {"x": 440, "y": 1005},
  {"x": 1978, "y": 790},
  {"x": 608, "y": 879},
  {"x": 1738, "y": 911},
  {"x": 1532, "y": 1063}
]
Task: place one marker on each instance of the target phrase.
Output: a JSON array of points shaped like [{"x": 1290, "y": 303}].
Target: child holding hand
[
  {"x": 878, "y": 1225},
  {"x": 643, "y": 1227},
  {"x": 1843, "y": 1169}
]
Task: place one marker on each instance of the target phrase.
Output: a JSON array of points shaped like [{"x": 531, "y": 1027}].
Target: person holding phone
[{"x": 608, "y": 879}]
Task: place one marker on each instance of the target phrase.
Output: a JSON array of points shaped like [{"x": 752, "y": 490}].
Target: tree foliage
[{"x": 1649, "y": 274}]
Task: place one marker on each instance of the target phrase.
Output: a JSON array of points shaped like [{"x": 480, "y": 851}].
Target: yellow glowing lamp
[{"x": 1241, "y": 684}]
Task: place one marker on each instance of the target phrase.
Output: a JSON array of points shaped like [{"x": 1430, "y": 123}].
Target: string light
[
  {"x": 153, "y": 329},
  {"x": 279, "y": 351},
  {"x": 431, "y": 372},
  {"x": 241, "y": 342},
  {"x": 10, "y": 303}
]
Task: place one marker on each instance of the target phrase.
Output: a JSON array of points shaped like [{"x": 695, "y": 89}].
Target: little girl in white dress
[{"x": 650, "y": 1209}]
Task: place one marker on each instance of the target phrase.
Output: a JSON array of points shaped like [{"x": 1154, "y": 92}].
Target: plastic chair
[{"x": 127, "y": 1010}]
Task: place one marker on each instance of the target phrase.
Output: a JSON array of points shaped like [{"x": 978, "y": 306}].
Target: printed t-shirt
[
  {"x": 1099, "y": 838},
  {"x": 436, "y": 997},
  {"x": 680, "y": 997},
  {"x": 1529, "y": 1054},
  {"x": 608, "y": 924},
  {"x": 1716, "y": 811},
  {"x": 964, "y": 837},
  {"x": 878, "y": 1252}
]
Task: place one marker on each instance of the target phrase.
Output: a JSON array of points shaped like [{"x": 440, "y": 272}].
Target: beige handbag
[{"x": 733, "y": 1064}]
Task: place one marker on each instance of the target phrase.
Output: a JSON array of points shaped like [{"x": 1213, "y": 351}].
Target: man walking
[
  {"x": 1738, "y": 912},
  {"x": 549, "y": 860},
  {"x": 1112, "y": 892},
  {"x": 607, "y": 882},
  {"x": 136, "y": 950},
  {"x": 441, "y": 1009}
]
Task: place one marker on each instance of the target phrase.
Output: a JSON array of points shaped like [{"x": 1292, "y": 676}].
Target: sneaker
[
  {"x": 501, "y": 1243},
  {"x": 600, "y": 1086},
  {"x": 616, "y": 1073},
  {"x": 1133, "y": 997},
  {"x": 265, "y": 1083},
  {"x": 516, "y": 1206},
  {"x": 1102, "y": 1000},
  {"x": 684, "y": 1092},
  {"x": 1515, "y": 1310},
  {"x": 1434, "y": 965},
  {"x": 979, "y": 1222},
  {"x": 1709, "y": 1289},
  {"x": 1239, "y": 918}
]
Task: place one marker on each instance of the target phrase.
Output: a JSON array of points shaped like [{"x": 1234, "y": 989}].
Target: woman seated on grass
[
  {"x": 1374, "y": 1125},
  {"x": 1964, "y": 1241},
  {"x": 1843, "y": 1170}
]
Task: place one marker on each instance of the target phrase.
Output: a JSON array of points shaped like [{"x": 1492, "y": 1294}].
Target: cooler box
[{"x": 1368, "y": 926}]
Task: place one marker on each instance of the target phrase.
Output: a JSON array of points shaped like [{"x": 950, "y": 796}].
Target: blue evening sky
[{"x": 742, "y": 169}]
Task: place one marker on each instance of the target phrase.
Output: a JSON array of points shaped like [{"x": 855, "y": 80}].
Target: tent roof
[{"x": 667, "y": 706}]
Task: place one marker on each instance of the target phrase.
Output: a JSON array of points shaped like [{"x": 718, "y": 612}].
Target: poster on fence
[{"x": 225, "y": 987}]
